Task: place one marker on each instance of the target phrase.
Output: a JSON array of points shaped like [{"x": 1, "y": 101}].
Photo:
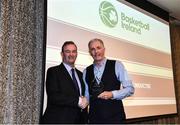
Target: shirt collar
[
  {"x": 68, "y": 67},
  {"x": 102, "y": 63}
]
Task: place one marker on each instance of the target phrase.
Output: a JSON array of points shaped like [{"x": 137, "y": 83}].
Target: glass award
[{"x": 96, "y": 88}]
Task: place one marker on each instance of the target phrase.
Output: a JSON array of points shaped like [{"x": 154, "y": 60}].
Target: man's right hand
[{"x": 83, "y": 102}]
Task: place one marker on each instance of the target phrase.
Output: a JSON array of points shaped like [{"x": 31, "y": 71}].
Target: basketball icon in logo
[{"x": 108, "y": 14}]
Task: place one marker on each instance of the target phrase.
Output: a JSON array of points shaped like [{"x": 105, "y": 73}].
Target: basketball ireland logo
[{"x": 108, "y": 14}]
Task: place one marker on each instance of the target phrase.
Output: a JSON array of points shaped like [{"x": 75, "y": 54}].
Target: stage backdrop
[{"x": 137, "y": 38}]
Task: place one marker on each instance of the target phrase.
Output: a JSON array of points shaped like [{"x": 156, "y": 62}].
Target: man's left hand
[{"x": 105, "y": 95}]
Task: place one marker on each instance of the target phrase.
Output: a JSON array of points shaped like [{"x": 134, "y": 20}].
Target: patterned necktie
[{"x": 75, "y": 80}]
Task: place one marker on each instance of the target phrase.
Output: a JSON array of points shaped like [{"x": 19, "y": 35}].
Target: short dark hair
[
  {"x": 95, "y": 39},
  {"x": 67, "y": 43}
]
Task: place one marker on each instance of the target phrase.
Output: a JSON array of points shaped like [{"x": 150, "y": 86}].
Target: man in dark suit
[{"x": 66, "y": 95}]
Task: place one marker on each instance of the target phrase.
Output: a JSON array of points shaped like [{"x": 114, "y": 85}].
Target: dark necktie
[{"x": 74, "y": 80}]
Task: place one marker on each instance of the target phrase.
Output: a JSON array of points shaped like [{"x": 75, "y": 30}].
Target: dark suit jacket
[{"x": 62, "y": 97}]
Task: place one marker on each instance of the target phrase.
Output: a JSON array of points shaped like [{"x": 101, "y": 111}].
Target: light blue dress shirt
[{"x": 127, "y": 88}]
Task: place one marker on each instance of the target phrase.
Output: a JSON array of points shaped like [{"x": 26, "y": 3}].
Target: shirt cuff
[
  {"x": 114, "y": 94},
  {"x": 80, "y": 101}
]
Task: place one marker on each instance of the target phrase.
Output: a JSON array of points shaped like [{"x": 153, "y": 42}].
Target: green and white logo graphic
[{"x": 108, "y": 14}]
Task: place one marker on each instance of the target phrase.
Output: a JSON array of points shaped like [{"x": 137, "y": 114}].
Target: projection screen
[{"x": 140, "y": 40}]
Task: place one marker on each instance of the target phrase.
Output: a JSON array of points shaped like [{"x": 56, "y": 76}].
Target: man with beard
[
  {"x": 66, "y": 95},
  {"x": 108, "y": 84}
]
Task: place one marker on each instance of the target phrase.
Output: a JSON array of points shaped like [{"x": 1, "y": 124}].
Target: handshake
[{"x": 83, "y": 102}]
